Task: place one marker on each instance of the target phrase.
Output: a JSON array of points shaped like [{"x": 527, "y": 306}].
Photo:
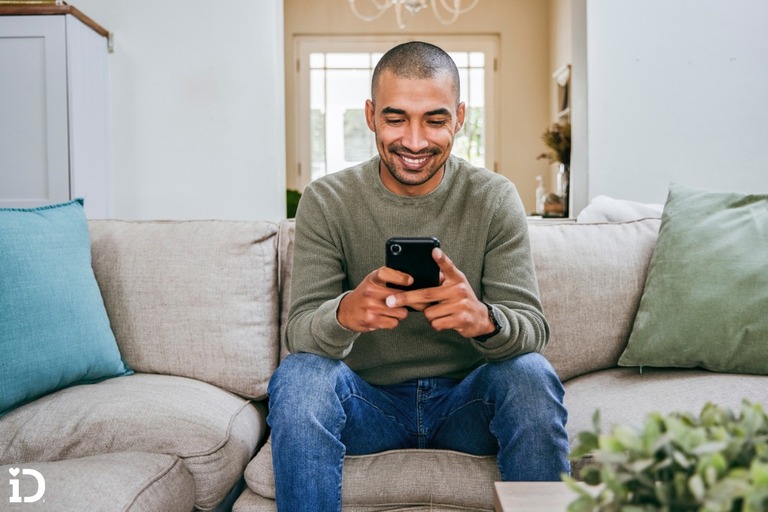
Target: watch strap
[{"x": 496, "y": 326}]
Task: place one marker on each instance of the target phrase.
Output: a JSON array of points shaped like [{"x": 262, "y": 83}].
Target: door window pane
[
  {"x": 359, "y": 144},
  {"x": 341, "y": 91},
  {"x": 317, "y": 141},
  {"x": 470, "y": 141}
]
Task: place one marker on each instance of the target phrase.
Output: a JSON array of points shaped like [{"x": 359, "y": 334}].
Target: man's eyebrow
[
  {"x": 439, "y": 112},
  {"x": 401, "y": 112},
  {"x": 393, "y": 110}
]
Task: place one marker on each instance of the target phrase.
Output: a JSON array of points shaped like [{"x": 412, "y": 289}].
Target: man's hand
[
  {"x": 452, "y": 305},
  {"x": 364, "y": 308}
]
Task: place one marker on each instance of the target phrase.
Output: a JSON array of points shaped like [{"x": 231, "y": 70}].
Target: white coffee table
[{"x": 532, "y": 496}]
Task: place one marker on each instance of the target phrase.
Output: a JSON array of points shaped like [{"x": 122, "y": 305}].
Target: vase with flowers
[{"x": 558, "y": 140}]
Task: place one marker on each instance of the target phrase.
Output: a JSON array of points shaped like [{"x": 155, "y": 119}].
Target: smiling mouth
[{"x": 414, "y": 162}]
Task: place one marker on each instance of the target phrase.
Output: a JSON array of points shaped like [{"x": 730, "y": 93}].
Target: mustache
[{"x": 400, "y": 149}]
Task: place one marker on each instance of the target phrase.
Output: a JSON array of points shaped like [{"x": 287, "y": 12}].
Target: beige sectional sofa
[{"x": 198, "y": 310}]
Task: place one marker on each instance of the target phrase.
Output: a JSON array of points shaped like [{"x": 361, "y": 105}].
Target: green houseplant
[
  {"x": 292, "y": 198},
  {"x": 714, "y": 462}
]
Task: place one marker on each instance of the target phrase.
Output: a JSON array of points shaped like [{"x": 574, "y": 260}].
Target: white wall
[
  {"x": 676, "y": 92},
  {"x": 197, "y": 107}
]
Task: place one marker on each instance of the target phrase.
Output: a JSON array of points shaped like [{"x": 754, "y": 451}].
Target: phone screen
[{"x": 414, "y": 257}]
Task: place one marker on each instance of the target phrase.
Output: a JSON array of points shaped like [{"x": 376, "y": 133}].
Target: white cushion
[{"x": 608, "y": 209}]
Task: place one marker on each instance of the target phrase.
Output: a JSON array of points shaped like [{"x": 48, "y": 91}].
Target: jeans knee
[
  {"x": 299, "y": 373},
  {"x": 530, "y": 381},
  {"x": 531, "y": 367},
  {"x": 304, "y": 384}
]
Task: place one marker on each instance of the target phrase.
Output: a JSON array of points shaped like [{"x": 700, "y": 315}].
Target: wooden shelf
[{"x": 31, "y": 8}]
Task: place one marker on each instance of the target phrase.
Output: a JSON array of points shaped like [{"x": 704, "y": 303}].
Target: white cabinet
[{"x": 54, "y": 111}]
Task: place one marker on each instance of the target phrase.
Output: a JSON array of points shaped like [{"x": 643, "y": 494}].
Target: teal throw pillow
[
  {"x": 705, "y": 302},
  {"x": 54, "y": 329}
]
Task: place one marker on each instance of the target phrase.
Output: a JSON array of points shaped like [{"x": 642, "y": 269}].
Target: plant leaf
[{"x": 697, "y": 487}]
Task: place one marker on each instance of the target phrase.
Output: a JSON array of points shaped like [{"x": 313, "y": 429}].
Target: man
[{"x": 372, "y": 368}]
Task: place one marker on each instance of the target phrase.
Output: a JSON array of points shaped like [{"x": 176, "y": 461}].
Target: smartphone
[{"x": 414, "y": 257}]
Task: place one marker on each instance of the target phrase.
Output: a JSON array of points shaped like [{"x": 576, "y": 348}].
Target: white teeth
[{"x": 414, "y": 161}]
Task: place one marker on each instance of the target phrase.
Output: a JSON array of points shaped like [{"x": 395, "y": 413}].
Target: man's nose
[{"x": 415, "y": 138}]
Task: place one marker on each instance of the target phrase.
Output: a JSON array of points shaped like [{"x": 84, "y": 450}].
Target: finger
[
  {"x": 381, "y": 276},
  {"x": 381, "y": 318},
  {"x": 444, "y": 319},
  {"x": 390, "y": 318},
  {"x": 376, "y": 278},
  {"x": 411, "y": 306},
  {"x": 418, "y": 307},
  {"x": 437, "y": 310},
  {"x": 382, "y": 322},
  {"x": 416, "y": 298},
  {"x": 447, "y": 267},
  {"x": 392, "y": 276}
]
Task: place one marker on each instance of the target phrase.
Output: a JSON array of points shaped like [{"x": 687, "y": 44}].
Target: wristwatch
[{"x": 496, "y": 326}]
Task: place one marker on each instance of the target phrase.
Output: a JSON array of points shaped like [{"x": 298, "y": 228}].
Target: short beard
[{"x": 404, "y": 177}]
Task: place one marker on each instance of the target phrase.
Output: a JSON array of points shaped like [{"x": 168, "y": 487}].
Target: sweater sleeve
[
  {"x": 509, "y": 283},
  {"x": 317, "y": 286}
]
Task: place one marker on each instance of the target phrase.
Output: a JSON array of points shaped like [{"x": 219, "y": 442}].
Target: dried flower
[{"x": 558, "y": 139}]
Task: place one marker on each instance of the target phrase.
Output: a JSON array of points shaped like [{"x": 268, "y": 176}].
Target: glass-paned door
[{"x": 334, "y": 77}]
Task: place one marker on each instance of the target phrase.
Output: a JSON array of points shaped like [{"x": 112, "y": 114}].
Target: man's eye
[
  {"x": 394, "y": 121},
  {"x": 437, "y": 122}
]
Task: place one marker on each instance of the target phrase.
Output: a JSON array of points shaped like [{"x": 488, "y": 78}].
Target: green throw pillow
[
  {"x": 705, "y": 302},
  {"x": 54, "y": 330}
]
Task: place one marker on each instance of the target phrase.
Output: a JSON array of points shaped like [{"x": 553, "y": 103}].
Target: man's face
[{"x": 415, "y": 122}]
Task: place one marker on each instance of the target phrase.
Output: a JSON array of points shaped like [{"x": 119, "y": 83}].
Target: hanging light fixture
[{"x": 446, "y": 11}]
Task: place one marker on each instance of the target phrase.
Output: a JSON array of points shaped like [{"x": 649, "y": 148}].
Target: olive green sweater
[{"x": 342, "y": 224}]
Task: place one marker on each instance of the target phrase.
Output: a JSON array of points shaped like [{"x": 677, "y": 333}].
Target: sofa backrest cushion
[
  {"x": 591, "y": 277},
  {"x": 195, "y": 299},
  {"x": 285, "y": 258}
]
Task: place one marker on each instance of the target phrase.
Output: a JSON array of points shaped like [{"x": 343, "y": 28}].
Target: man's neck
[{"x": 403, "y": 189}]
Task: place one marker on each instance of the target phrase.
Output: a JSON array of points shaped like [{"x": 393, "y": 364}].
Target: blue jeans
[{"x": 320, "y": 411}]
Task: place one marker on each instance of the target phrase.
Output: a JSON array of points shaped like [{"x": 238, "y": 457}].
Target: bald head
[{"x": 416, "y": 60}]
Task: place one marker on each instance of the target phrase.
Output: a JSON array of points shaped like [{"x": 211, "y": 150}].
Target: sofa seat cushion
[
  {"x": 249, "y": 501},
  {"x": 215, "y": 432},
  {"x": 400, "y": 479},
  {"x": 125, "y": 481},
  {"x": 195, "y": 299},
  {"x": 625, "y": 396}
]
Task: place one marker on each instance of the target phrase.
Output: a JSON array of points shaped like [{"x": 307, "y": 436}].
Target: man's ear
[
  {"x": 370, "y": 112},
  {"x": 460, "y": 113}
]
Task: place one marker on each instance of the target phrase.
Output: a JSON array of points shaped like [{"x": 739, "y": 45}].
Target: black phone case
[{"x": 414, "y": 257}]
